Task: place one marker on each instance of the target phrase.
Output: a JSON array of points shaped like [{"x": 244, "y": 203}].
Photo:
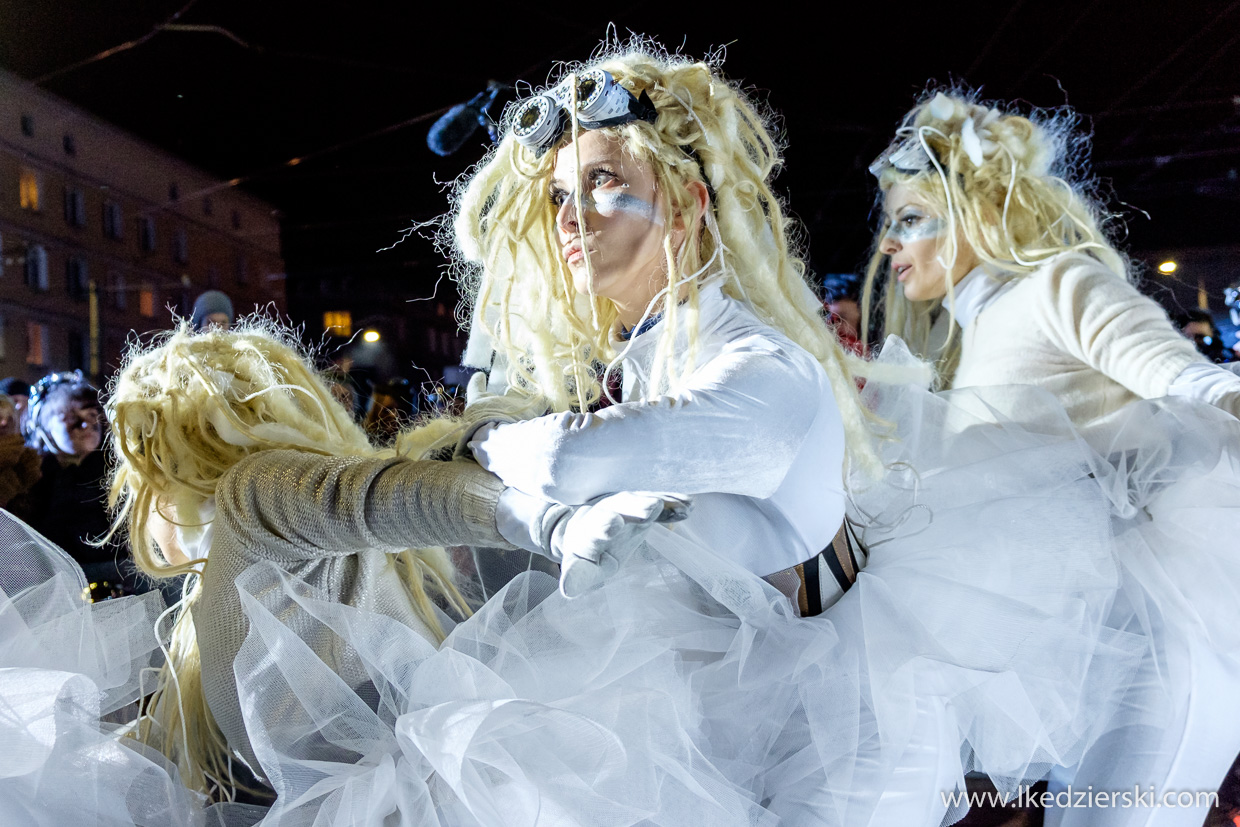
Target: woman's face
[
  {"x": 622, "y": 225},
  {"x": 71, "y": 429},
  {"x": 916, "y": 241}
]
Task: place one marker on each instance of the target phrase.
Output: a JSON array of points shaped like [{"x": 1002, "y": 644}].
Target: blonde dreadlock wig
[
  {"x": 696, "y": 129},
  {"x": 183, "y": 411}
]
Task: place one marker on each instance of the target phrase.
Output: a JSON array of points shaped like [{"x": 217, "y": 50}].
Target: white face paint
[
  {"x": 613, "y": 202},
  {"x": 913, "y": 224}
]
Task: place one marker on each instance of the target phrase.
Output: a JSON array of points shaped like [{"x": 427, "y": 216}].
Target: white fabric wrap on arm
[{"x": 1213, "y": 384}]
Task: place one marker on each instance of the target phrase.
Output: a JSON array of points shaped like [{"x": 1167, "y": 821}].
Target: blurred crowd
[{"x": 53, "y": 467}]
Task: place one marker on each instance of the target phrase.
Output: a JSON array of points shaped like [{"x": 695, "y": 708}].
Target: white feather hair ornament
[
  {"x": 971, "y": 143},
  {"x": 942, "y": 107}
]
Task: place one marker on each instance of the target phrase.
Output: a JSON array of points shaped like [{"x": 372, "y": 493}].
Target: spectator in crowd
[
  {"x": 1197, "y": 325},
  {"x": 841, "y": 294},
  {"x": 68, "y": 505},
  {"x": 19, "y": 464},
  {"x": 339, "y": 384},
  {"x": 212, "y": 309},
  {"x": 17, "y": 390},
  {"x": 392, "y": 404}
]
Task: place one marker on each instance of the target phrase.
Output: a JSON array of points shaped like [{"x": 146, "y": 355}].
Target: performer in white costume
[
  {"x": 997, "y": 267},
  {"x": 232, "y": 452},
  {"x": 642, "y": 231}
]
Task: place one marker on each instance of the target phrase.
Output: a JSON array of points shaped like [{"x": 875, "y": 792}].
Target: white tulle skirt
[
  {"x": 1028, "y": 593},
  {"x": 990, "y": 631},
  {"x": 64, "y": 665},
  {"x": 70, "y": 672}
]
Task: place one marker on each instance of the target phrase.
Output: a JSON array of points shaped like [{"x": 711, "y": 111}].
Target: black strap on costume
[
  {"x": 811, "y": 594},
  {"x": 840, "y": 559}
]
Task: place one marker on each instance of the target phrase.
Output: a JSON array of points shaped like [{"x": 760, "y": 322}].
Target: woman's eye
[
  {"x": 599, "y": 177},
  {"x": 557, "y": 197},
  {"x": 910, "y": 220}
]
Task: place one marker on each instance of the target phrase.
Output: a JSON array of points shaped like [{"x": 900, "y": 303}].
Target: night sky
[{"x": 327, "y": 81}]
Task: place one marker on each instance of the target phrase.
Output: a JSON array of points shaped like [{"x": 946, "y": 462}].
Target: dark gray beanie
[{"x": 212, "y": 301}]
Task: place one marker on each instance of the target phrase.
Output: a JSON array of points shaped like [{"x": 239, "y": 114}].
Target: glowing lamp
[
  {"x": 371, "y": 336},
  {"x": 1168, "y": 267}
]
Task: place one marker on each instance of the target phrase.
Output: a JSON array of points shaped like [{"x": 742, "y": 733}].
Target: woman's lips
[{"x": 573, "y": 251}]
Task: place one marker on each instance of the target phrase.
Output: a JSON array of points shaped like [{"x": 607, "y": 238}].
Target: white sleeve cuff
[
  {"x": 519, "y": 519},
  {"x": 1206, "y": 382}
]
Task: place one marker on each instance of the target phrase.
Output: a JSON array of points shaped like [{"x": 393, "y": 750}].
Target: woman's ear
[{"x": 701, "y": 196}]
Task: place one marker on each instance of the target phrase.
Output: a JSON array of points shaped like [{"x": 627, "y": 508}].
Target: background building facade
[{"x": 91, "y": 215}]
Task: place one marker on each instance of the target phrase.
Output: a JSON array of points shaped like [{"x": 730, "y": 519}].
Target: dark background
[{"x": 351, "y": 88}]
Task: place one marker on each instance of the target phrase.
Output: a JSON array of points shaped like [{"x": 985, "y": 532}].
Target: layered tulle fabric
[
  {"x": 65, "y": 663},
  {"x": 70, "y": 672},
  {"x": 1171, "y": 469},
  {"x": 686, "y": 691}
]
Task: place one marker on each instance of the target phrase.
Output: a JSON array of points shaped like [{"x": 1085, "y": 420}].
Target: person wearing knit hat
[
  {"x": 19, "y": 391},
  {"x": 212, "y": 308}
]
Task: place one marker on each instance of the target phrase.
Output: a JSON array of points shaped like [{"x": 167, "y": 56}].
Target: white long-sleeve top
[
  {"x": 1084, "y": 334},
  {"x": 753, "y": 435}
]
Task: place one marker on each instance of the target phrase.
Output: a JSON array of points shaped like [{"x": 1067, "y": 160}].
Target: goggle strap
[{"x": 640, "y": 109}]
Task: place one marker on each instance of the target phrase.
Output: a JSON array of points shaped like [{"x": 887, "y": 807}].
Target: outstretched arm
[
  {"x": 299, "y": 505},
  {"x": 1107, "y": 323}
]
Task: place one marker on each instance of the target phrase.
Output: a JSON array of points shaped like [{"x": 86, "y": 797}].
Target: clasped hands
[{"x": 589, "y": 541}]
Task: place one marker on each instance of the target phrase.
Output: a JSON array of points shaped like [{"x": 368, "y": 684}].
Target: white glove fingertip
[
  {"x": 476, "y": 389},
  {"x": 579, "y": 576}
]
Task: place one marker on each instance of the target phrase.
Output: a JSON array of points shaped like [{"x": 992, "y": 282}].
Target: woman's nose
[
  {"x": 888, "y": 245},
  {"x": 566, "y": 217}
]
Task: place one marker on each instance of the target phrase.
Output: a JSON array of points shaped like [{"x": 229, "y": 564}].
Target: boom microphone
[{"x": 458, "y": 124}]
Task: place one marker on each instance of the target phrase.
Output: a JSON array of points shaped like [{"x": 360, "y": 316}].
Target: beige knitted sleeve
[{"x": 293, "y": 505}]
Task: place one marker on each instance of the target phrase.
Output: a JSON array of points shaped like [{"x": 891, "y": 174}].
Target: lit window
[
  {"x": 75, "y": 207},
  {"x": 180, "y": 246},
  {"x": 112, "y": 220},
  {"x": 28, "y": 187},
  {"x": 37, "y": 344},
  {"x": 146, "y": 302},
  {"x": 76, "y": 277},
  {"x": 36, "y": 267},
  {"x": 338, "y": 322},
  {"x": 146, "y": 233}
]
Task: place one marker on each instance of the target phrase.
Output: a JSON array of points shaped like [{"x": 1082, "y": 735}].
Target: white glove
[
  {"x": 588, "y": 541},
  {"x": 596, "y": 539}
]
